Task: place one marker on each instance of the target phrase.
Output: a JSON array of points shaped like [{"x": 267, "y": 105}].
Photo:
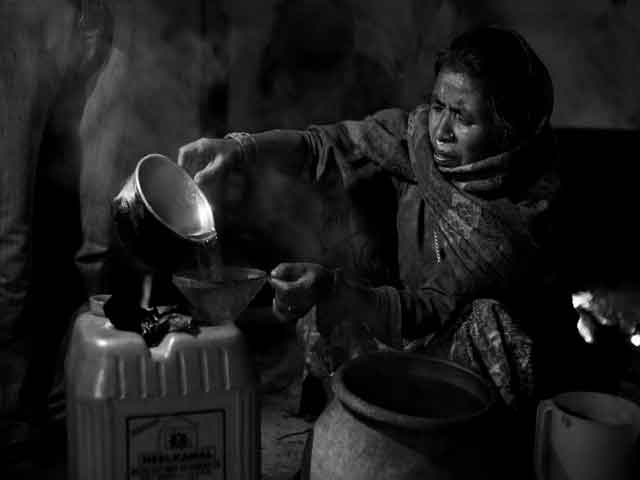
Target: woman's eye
[
  {"x": 464, "y": 120},
  {"x": 436, "y": 107}
]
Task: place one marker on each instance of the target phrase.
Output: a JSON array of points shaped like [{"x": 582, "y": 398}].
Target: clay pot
[{"x": 405, "y": 416}]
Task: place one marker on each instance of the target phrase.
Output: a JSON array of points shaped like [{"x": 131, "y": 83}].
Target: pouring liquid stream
[{"x": 208, "y": 264}]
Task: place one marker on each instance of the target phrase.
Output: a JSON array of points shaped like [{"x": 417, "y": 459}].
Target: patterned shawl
[
  {"x": 496, "y": 235},
  {"x": 496, "y": 241}
]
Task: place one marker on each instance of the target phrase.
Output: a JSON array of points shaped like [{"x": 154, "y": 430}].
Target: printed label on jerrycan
[{"x": 187, "y": 446}]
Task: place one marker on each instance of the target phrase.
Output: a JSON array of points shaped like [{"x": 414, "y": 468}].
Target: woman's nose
[{"x": 444, "y": 130}]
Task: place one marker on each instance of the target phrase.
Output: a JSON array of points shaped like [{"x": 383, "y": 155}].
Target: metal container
[
  {"x": 161, "y": 216},
  {"x": 219, "y": 297}
]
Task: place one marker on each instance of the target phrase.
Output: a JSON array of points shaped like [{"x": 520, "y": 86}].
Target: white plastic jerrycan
[{"x": 185, "y": 409}]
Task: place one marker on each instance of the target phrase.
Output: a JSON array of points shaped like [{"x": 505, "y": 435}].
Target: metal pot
[{"x": 161, "y": 216}]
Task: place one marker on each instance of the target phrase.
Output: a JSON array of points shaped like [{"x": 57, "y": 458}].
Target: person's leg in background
[
  {"x": 35, "y": 48},
  {"x": 47, "y": 57},
  {"x": 58, "y": 284}
]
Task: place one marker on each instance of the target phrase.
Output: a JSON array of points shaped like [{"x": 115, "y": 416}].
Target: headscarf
[
  {"x": 512, "y": 75},
  {"x": 492, "y": 215},
  {"x": 489, "y": 212},
  {"x": 519, "y": 89}
]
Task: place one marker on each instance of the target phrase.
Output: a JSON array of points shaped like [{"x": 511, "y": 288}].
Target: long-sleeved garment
[{"x": 427, "y": 265}]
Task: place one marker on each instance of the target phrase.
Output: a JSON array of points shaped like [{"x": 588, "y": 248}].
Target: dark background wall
[
  {"x": 295, "y": 61},
  {"x": 175, "y": 71}
]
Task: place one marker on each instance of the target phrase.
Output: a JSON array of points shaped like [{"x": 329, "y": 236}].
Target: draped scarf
[
  {"x": 492, "y": 217},
  {"x": 493, "y": 242},
  {"x": 492, "y": 237}
]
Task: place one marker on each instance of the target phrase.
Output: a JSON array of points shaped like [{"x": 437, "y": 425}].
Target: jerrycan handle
[{"x": 541, "y": 440}]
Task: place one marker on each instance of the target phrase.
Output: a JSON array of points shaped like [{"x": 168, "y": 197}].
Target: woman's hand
[
  {"x": 199, "y": 155},
  {"x": 216, "y": 165},
  {"x": 298, "y": 287}
]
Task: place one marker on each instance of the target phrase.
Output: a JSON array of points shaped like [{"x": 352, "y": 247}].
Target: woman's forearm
[
  {"x": 284, "y": 150},
  {"x": 391, "y": 315},
  {"x": 378, "y": 309}
]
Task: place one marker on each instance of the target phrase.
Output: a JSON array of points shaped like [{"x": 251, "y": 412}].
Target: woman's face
[{"x": 461, "y": 128}]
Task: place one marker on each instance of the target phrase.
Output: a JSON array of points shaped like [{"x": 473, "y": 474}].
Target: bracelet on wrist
[{"x": 248, "y": 148}]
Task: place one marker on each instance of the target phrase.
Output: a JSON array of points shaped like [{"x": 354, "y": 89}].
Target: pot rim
[
  {"x": 203, "y": 238},
  {"x": 183, "y": 277},
  {"x": 411, "y": 422}
]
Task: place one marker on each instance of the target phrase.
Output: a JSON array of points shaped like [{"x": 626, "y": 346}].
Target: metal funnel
[{"x": 220, "y": 298}]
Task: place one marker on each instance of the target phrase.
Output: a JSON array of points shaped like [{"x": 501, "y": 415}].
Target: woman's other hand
[{"x": 298, "y": 287}]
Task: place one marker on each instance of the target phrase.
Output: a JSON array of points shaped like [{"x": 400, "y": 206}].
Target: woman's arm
[
  {"x": 287, "y": 151},
  {"x": 393, "y": 314},
  {"x": 292, "y": 194},
  {"x": 354, "y": 149}
]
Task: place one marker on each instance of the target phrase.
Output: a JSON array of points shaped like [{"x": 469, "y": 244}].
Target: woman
[{"x": 468, "y": 184}]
